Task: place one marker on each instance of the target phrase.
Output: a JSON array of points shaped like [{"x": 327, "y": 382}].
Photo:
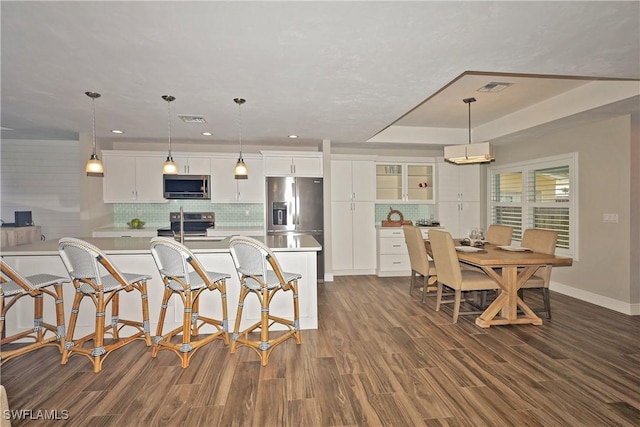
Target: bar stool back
[
  {"x": 14, "y": 286},
  {"x": 260, "y": 274},
  {"x": 184, "y": 275},
  {"x": 94, "y": 276}
]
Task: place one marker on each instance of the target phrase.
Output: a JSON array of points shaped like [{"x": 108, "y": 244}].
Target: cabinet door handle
[
  {"x": 396, "y": 262},
  {"x": 397, "y": 246}
]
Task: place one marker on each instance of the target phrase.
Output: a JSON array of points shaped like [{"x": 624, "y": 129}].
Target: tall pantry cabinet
[
  {"x": 458, "y": 198},
  {"x": 353, "y": 237}
]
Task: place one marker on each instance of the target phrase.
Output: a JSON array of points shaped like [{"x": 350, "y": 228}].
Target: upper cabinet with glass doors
[{"x": 405, "y": 182}]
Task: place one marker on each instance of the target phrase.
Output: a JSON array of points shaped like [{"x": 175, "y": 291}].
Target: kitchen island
[{"x": 132, "y": 254}]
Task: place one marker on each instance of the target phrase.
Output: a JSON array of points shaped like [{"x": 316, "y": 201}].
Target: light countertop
[{"x": 140, "y": 245}]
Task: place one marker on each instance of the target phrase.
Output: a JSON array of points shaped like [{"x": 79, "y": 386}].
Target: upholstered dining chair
[
  {"x": 14, "y": 286},
  {"x": 420, "y": 264},
  {"x": 260, "y": 274},
  {"x": 499, "y": 235},
  {"x": 543, "y": 241},
  {"x": 450, "y": 273},
  {"x": 97, "y": 279},
  {"x": 183, "y": 275}
]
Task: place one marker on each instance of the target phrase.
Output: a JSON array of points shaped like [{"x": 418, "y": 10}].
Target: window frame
[{"x": 526, "y": 205}]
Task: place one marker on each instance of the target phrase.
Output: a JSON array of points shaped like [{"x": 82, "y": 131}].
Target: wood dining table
[{"x": 510, "y": 269}]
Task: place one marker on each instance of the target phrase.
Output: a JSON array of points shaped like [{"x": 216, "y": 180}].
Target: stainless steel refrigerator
[{"x": 294, "y": 206}]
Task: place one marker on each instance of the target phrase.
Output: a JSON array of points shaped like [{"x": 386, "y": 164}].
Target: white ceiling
[{"x": 349, "y": 72}]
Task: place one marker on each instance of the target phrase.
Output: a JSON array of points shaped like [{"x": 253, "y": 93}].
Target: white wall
[{"x": 41, "y": 176}]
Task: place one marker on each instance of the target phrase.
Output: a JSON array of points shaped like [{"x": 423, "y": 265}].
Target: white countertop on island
[{"x": 140, "y": 245}]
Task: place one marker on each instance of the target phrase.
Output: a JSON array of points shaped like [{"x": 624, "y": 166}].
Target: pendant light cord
[
  {"x": 468, "y": 101},
  {"x": 169, "y": 121},
  {"x": 93, "y": 104},
  {"x": 469, "y": 122},
  {"x": 240, "y": 126}
]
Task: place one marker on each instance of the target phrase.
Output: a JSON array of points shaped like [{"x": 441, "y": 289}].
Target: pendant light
[
  {"x": 94, "y": 165},
  {"x": 169, "y": 167},
  {"x": 469, "y": 153},
  {"x": 240, "y": 171}
]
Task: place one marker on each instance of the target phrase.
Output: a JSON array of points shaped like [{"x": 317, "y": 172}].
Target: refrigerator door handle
[{"x": 294, "y": 191}]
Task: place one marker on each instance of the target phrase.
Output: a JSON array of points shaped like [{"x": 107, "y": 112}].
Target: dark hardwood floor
[{"x": 379, "y": 357}]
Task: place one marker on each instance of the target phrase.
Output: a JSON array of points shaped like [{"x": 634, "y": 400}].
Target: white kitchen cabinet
[
  {"x": 405, "y": 182},
  {"x": 459, "y": 198},
  {"x": 353, "y": 238},
  {"x": 192, "y": 165},
  {"x": 226, "y": 189},
  {"x": 131, "y": 178},
  {"x": 353, "y": 217},
  {"x": 393, "y": 255},
  {"x": 276, "y": 164}
]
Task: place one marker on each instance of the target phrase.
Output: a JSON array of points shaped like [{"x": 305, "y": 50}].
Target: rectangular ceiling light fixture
[{"x": 481, "y": 152}]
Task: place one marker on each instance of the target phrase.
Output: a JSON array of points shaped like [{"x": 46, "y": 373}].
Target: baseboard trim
[{"x": 600, "y": 300}]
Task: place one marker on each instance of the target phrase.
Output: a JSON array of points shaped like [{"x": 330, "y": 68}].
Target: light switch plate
[{"x": 610, "y": 217}]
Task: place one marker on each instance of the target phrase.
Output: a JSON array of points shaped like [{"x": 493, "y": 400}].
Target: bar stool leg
[
  {"x": 72, "y": 326},
  {"x": 115, "y": 315},
  {"x": 38, "y": 312},
  {"x": 163, "y": 312},
  {"x": 98, "y": 338},
  {"x": 296, "y": 312},
  {"x": 236, "y": 330},
  {"x": 146, "y": 326},
  {"x": 265, "y": 298},
  {"x": 187, "y": 328},
  {"x": 60, "y": 315},
  {"x": 222, "y": 286}
]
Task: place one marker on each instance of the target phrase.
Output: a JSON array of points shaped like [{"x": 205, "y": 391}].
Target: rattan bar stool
[
  {"x": 94, "y": 276},
  {"x": 183, "y": 275},
  {"x": 260, "y": 274},
  {"x": 14, "y": 286}
]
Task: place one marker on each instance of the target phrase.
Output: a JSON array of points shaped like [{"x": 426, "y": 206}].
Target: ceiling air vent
[
  {"x": 190, "y": 118},
  {"x": 494, "y": 87}
]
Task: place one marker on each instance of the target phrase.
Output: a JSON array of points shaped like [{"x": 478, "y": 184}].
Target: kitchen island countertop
[{"x": 140, "y": 245}]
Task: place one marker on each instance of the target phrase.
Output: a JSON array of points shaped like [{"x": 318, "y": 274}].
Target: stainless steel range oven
[{"x": 194, "y": 224}]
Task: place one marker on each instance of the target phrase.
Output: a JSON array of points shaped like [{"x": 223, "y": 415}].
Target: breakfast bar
[{"x": 296, "y": 253}]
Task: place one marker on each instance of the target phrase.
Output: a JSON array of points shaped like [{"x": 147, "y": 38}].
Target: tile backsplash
[
  {"x": 157, "y": 214},
  {"x": 409, "y": 212},
  {"x": 237, "y": 214}
]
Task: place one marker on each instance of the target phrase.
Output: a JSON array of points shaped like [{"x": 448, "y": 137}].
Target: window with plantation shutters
[
  {"x": 548, "y": 201},
  {"x": 506, "y": 200},
  {"x": 537, "y": 194}
]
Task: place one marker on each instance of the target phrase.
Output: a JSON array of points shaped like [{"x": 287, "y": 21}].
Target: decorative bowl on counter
[{"x": 136, "y": 224}]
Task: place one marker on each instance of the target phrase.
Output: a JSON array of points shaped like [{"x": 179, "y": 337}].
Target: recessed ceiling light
[
  {"x": 494, "y": 87},
  {"x": 207, "y": 133},
  {"x": 293, "y": 136},
  {"x": 117, "y": 131}
]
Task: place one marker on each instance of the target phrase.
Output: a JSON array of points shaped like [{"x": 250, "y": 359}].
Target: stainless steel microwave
[{"x": 185, "y": 187}]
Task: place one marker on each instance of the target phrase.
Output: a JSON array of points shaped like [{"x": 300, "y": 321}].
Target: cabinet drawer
[
  {"x": 393, "y": 245},
  {"x": 391, "y": 232},
  {"x": 394, "y": 263}
]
